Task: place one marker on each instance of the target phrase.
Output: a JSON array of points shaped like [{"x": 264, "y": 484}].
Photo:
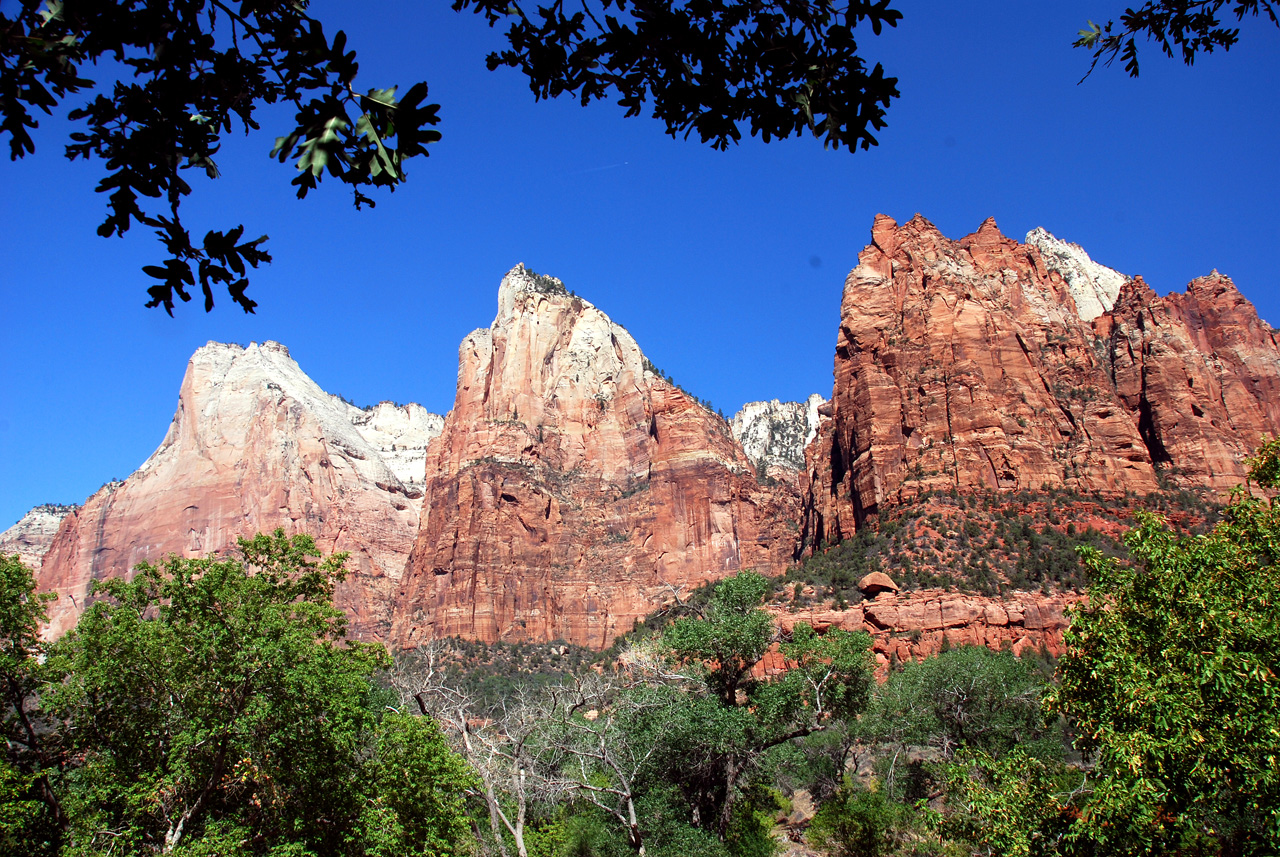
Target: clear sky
[{"x": 726, "y": 267}]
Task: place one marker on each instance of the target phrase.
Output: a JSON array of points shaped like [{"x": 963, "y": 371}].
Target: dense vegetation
[{"x": 215, "y": 707}]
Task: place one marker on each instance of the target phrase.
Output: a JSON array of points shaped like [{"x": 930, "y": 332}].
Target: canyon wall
[{"x": 573, "y": 491}]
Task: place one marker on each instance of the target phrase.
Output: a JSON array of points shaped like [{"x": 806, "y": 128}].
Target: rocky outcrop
[
  {"x": 967, "y": 364},
  {"x": 573, "y": 491},
  {"x": 256, "y": 445},
  {"x": 31, "y": 536},
  {"x": 774, "y": 434},
  {"x": 916, "y": 625},
  {"x": 1199, "y": 373}
]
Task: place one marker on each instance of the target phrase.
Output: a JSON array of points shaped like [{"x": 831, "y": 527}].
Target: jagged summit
[{"x": 985, "y": 364}]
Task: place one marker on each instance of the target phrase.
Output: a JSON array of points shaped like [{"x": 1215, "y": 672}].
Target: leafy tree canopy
[
  {"x": 191, "y": 71},
  {"x": 966, "y": 697},
  {"x": 1170, "y": 680},
  {"x": 29, "y": 810},
  {"x": 214, "y": 707}
]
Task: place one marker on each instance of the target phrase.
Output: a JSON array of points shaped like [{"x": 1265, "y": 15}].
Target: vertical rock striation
[
  {"x": 986, "y": 364},
  {"x": 572, "y": 489},
  {"x": 255, "y": 444}
]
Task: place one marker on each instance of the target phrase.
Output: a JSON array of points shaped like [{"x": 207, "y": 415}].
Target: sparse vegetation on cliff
[{"x": 987, "y": 543}]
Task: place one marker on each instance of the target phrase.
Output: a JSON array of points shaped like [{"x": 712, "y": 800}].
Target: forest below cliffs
[{"x": 216, "y": 707}]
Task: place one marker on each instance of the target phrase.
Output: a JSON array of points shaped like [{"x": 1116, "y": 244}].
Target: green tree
[
  {"x": 30, "y": 812},
  {"x": 969, "y": 697},
  {"x": 193, "y": 70},
  {"x": 1016, "y": 805},
  {"x": 730, "y": 718},
  {"x": 217, "y": 701},
  {"x": 1171, "y": 680},
  {"x": 420, "y": 788}
]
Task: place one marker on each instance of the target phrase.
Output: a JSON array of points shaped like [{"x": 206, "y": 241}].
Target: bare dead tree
[
  {"x": 500, "y": 748},
  {"x": 597, "y": 753}
]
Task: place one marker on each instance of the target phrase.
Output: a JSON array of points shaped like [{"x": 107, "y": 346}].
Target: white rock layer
[
  {"x": 31, "y": 536},
  {"x": 1093, "y": 287},
  {"x": 774, "y": 433}
]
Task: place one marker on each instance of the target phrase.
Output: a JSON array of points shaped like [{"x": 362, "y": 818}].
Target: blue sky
[{"x": 726, "y": 266}]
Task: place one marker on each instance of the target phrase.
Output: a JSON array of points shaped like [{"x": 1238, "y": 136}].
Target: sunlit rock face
[
  {"x": 573, "y": 491},
  {"x": 254, "y": 445},
  {"x": 32, "y": 535},
  {"x": 979, "y": 364},
  {"x": 774, "y": 434}
]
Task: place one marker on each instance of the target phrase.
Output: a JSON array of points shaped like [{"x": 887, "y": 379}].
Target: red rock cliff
[
  {"x": 967, "y": 364},
  {"x": 254, "y": 445},
  {"x": 572, "y": 488}
]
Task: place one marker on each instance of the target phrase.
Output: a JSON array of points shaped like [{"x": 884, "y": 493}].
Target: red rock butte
[
  {"x": 987, "y": 364},
  {"x": 574, "y": 491}
]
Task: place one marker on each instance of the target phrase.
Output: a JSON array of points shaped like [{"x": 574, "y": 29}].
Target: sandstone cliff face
[
  {"x": 774, "y": 434},
  {"x": 572, "y": 488},
  {"x": 31, "y": 536},
  {"x": 1199, "y": 373},
  {"x": 968, "y": 364},
  {"x": 254, "y": 445}
]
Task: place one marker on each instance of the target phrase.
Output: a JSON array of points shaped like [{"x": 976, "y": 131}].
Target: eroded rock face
[
  {"x": 255, "y": 444},
  {"x": 774, "y": 434},
  {"x": 31, "y": 536},
  {"x": 572, "y": 489},
  {"x": 1199, "y": 373},
  {"x": 916, "y": 625},
  {"x": 967, "y": 364}
]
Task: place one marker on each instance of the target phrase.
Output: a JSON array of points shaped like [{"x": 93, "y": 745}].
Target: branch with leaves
[
  {"x": 192, "y": 70},
  {"x": 1186, "y": 27}
]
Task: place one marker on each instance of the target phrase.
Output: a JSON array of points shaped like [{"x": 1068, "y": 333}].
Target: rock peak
[
  {"x": 255, "y": 444},
  {"x": 573, "y": 487},
  {"x": 1093, "y": 287},
  {"x": 520, "y": 282}
]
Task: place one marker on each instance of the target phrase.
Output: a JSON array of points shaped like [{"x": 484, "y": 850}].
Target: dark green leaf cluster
[
  {"x": 193, "y": 70},
  {"x": 709, "y": 66}
]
